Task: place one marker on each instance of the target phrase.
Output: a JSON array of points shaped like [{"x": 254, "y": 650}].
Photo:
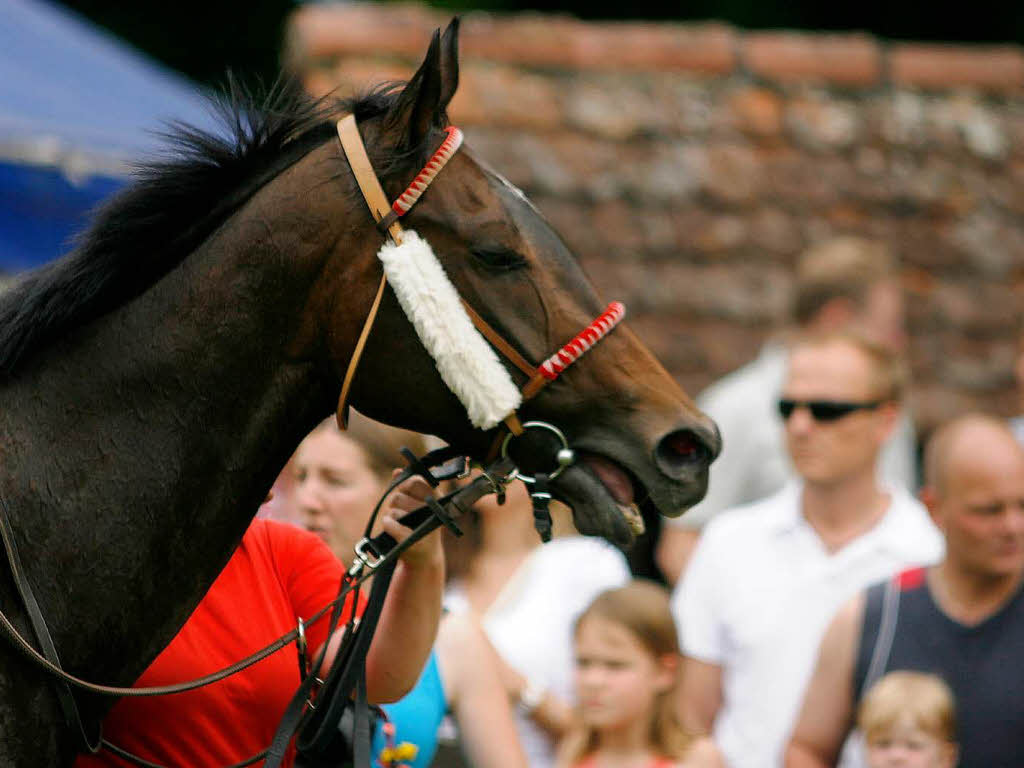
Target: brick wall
[{"x": 687, "y": 165}]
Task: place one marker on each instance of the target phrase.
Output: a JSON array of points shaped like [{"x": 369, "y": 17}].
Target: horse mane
[{"x": 177, "y": 199}]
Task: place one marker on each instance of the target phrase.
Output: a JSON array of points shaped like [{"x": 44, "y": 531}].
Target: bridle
[
  {"x": 370, "y": 555},
  {"x": 538, "y": 376}
]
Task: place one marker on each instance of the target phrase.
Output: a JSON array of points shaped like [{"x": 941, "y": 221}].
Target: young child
[
  {"x": 908, "y": 720},
  {"x": 627, "y": 667}
]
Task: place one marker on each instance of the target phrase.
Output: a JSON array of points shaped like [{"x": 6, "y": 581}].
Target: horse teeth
[{"x": 636, "y": 520}]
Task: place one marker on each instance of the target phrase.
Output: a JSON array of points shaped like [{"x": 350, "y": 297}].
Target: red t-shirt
[{"x": 278, "y": 573}]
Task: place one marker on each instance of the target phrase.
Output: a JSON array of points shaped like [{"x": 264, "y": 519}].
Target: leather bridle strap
[
  {"x": 46, "y": 665},
  {"x": 553, "y": 367},
  {"x": 499, "y": 343},
  {"x": 373, "y": 555},
  {"x": 342, "y": 412},
  {"x": 366, "y": 177},
  {"x": 373, "y": 193}
]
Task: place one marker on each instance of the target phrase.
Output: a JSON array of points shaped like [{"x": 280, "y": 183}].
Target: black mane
[{"x": 175, "y": 202}]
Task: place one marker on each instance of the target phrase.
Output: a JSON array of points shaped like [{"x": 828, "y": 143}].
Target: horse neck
[{"x": 137, "y": 451}]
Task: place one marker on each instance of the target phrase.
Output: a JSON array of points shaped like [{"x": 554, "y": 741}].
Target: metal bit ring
[{"x": 565, "y": 456}]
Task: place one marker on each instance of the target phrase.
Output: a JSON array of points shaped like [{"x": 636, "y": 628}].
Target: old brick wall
[{"x": 687, "y": 165}]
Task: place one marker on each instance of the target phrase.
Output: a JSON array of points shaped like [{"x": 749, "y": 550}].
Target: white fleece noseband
[{"x": 466, "y": 362}]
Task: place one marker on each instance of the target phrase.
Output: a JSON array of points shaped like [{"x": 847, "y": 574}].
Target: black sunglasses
[{"x": 825, "y": 410}]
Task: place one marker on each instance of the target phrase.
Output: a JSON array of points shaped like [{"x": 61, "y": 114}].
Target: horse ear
[
  {"x": 419, "y": 108},
  {"x": 449, "y": 62}
]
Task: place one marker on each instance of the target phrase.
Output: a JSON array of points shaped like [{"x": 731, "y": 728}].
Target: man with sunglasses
[
  {"x": 842, "y": 283},
  {"x": 766, "y": 578},
  {"x": 962, "y": 619}
]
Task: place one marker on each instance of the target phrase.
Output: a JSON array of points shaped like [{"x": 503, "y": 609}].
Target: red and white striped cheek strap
[
  {"x": 387, "y": 221},
  {"x": 552, "y": 368}
]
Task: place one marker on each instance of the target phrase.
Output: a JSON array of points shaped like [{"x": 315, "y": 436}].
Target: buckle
[
  {"x": 309, "y": 699},
  {"x": 366, "y": 555},
  {"x": 301, "y": 646}
]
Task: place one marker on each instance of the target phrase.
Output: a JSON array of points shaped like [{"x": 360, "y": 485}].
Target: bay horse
[{"x": 154, "y": 381}]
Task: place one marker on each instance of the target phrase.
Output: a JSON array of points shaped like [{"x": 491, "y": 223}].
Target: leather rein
[{"x": 371, "y": 554}]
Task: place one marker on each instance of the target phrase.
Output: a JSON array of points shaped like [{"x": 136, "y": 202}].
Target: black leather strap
[
  {"x": 361, "y": 732},
  {"x": 541, "y": 497},
  {"x": 67, "y": 702},
  {"x": 319, "y": 732}
]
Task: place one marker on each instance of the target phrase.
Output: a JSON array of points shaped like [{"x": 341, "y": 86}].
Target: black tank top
[{"x": 983, "y": 665}]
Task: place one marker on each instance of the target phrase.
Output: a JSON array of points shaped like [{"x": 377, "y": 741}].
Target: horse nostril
[{"x": 684, "y": 449}]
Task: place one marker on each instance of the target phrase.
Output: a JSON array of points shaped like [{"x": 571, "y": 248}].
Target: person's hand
[{"x": 410, "y": 495}]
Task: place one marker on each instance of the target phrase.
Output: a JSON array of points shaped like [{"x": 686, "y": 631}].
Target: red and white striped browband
[
  {"x": 444, "y": 153},
  {"x": 588, "y": 337}
]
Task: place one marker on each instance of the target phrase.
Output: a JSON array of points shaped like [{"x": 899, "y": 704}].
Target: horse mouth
[
  {"x": 604, "y": 497},
  {"x": 621, "y": 486}
]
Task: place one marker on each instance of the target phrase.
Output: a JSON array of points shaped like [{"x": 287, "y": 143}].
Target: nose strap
[{"x": 553, "y": 367}]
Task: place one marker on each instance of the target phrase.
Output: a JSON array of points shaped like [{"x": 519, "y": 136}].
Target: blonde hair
[
  {"x": 889, "y": 371},
  {"x": 839, "y": 268},
  {"x": 925, "y": 698},
  {"x": 642, "y": 607}
]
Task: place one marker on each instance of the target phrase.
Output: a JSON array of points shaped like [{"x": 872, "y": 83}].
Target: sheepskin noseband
[{"x": 468, "y": 365}]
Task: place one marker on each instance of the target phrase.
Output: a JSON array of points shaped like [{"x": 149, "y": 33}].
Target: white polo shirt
[{"x": 758, "y": 595}]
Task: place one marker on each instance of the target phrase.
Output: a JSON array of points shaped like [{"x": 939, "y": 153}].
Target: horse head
[{"x": 638, "y": 437}]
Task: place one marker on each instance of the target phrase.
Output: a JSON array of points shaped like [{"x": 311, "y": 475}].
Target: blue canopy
[{"x": 77, "y": 108}]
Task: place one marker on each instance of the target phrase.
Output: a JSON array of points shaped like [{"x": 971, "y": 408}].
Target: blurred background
[{"x": 686, "y": 153}]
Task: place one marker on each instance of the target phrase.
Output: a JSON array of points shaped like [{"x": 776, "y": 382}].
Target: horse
[{"x": 155, "y": 380}]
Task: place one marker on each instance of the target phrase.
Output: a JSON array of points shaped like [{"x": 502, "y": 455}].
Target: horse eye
[{"x": 499, "y": 258}]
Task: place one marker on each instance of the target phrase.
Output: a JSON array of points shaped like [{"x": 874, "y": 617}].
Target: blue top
[{"x": 416, "y": 718}]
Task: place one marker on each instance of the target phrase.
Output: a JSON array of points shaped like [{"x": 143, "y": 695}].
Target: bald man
[{"x": 962, "y": 619}]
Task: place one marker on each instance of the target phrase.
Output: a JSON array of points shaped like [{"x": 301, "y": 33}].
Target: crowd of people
[
  {"x": 836, "y": 606},
  {"x": 826, "y": 604}
]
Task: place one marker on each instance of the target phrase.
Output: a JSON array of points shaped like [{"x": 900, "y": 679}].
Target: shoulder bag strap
[{"x": 886, "y": 633}]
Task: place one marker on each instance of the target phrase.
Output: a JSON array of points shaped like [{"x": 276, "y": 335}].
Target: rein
[{"x": 372, "y": 554}]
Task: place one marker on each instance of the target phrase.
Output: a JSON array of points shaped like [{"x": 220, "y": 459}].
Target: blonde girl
[{"x": 627, "y": 668}]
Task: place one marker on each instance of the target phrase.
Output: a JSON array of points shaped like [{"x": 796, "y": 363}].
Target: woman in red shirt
[{"x": 278, "y": 574}]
